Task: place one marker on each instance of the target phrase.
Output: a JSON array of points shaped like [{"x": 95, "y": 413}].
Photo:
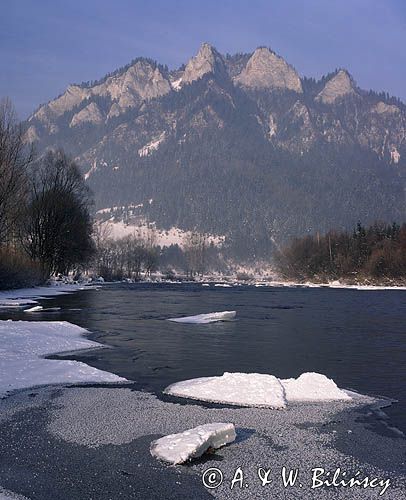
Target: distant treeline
[{"x": 377, "y": 253}]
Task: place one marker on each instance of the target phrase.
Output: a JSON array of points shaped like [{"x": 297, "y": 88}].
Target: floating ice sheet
[
  {"x": 242, "y": 389},
  {"x": 207, "y": 318},
  {"x": 259, "y": 390}
]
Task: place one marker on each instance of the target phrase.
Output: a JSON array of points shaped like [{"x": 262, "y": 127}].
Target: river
[{"x": 356, "y": 337}]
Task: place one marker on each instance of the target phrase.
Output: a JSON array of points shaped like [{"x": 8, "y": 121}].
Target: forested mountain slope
[{"x": 236, "y": 145}]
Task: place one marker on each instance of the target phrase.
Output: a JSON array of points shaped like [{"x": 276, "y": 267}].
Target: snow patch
[
  {"x": 394, "y": 155},
  {"x": 177, "y": 84},
  {"x": 91, "y": 171},
  {"x": 151, "y": 146},
  {"x": 259, "y": 390},
  {"x": 206, "y": 318},
  {"x": 179, "y": 448},
  {"x": 163, "y": 237},
  {"x": 272, "y": 127},
  {"x": 23, "y": 345}
]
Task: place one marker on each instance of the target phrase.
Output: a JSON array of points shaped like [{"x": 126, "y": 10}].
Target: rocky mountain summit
[
  {"x": 338, "y": 86},
  {"x": 207, "y": 60},
  {"x": 234, "y": 144},
  {"x": 266, "y": 70}
]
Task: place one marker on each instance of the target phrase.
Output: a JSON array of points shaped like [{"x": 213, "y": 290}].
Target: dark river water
[{"x": 358, "y": 338}]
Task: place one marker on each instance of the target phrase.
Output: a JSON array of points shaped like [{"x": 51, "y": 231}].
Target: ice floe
[
  {"x": 179, "y": 448},
  {"x": 259, "y": 390},
  {"x": 207, "y": 318},
  {"x": 23, "y": 344},
  {"x": 42, "y": 309},
  {"x": 34, "y": 309},
  {"x": 242, "y": 389}
]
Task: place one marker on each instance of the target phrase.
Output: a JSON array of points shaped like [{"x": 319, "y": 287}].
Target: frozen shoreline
[
  {"x": 24, "y": 346},
  {"x": 210, "y": 282},
  {"x": 21, "y": 297},
  {"x": 106, "y": 432}
]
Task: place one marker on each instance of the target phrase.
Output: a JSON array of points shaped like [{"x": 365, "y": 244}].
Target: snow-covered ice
[
  {"x": 259, "y": 390},
  {"x": 179, "y": 448},
  {"x": 206, "y": 318},
  {"x": 23, "y": 344},
  {"x": 313, "y": 387},
  {"x": 34, "y": 309},
  {"x": 242, "y": 389}
]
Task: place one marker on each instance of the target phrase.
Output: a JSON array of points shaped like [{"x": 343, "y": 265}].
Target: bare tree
[
  {"x": 14, "y": 160},
  {"x": 57, "y": 225},
  {"x": 151, "y": 253},
  {"x": 195, "y": 247}
]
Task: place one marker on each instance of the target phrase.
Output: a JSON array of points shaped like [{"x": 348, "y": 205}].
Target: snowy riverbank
[
  {"x": 24, "y": 345},
  {"x": 68, "y": 437}
]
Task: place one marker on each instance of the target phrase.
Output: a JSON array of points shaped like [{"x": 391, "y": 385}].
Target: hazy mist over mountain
[{"x": 235, "y": 145}]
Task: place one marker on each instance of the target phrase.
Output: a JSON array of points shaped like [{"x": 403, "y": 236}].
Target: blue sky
[{"x": 47, "y": 44}]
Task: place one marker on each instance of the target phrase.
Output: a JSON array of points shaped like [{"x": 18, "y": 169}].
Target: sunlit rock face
[
  {"x": 385, "y": 109},
  {"x": 90, "y": 114},
  {"x": 141, "y": 81},
  {"x": 340, "y": 85},
  {"x": 266, "y": 70},
  {"x": 207, "y": 60}
]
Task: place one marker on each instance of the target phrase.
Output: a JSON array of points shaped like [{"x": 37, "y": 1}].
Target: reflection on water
[{"x": 355, "y": 337}]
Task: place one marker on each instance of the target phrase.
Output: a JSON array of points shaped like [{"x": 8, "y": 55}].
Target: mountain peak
[
  {"x": 207, "y": 60},
  {"x": 339, "y": 85},
  {"x": 265, "y": 69}
]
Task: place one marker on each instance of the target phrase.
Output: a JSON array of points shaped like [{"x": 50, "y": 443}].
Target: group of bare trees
[
  {"x": 45, "y": 226},
  {"x": 126, "y": 257},
  {"x": 14, "y": 161},
  {"x": 374, "y": 252},
  {"x": 139, "y": 254},
  {"x": 57, "y": 228},
  {"x": 195, "y": 249}
]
